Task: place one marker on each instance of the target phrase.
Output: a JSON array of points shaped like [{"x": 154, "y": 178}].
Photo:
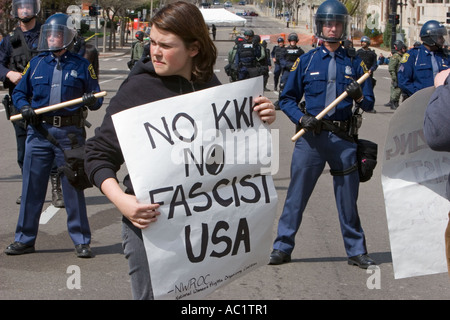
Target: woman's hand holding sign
[
  {"x": 140, "y": 214},
  {"x": 265, "y": 109}
]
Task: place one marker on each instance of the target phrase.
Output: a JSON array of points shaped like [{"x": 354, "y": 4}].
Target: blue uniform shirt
[
  {"x": 78, "y": 77},
  {"x": 416, "y": 71},
  {"x": 309, "y": 77}
]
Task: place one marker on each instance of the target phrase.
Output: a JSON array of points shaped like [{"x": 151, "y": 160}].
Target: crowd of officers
[
  {"x": 410, "y": 70},
  {"x": 250, "y": 58}
]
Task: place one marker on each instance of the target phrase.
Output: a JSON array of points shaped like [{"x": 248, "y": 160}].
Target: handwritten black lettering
[{"x": 242, "y": 236}]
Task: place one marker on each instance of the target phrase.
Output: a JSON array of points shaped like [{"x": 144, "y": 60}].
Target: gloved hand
[
  {"x": 354, "y": 91},
  {"x": 29, "y": 115},
  {"x": 89, "y": 99},
  {"x": 309, "y": 123}
]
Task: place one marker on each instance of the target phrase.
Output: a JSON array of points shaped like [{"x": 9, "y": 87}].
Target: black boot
[
  {"x": 389, "y": 104},
  {"x": 57, "y": 196},
  {"x": 394, "y": 105}
]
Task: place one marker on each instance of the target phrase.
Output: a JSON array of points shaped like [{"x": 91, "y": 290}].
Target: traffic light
[
  {"x": 92, "y": 11},
  {"x": 448, "y": 17},
  {"x": 394, "y": 19}
]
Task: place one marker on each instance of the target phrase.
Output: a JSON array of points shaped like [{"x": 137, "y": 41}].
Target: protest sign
[
  {"x": 414, "y": 181},
  {"x": 206, "y": 158}
]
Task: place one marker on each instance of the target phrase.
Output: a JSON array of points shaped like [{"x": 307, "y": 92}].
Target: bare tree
[
  {"x": 116, "y": 11},
  {"x": 6, "y": 21},
  {"x": 352, "y": 5}
]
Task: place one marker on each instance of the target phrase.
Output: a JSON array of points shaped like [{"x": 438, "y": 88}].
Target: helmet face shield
[
  {"x": 434, "y": 33},
  {"x": 332, "y": 27},
  {"x": 439, "y": 36},
  {"x": 25, "y": 9},
  {"x": 55, "y": 37}
]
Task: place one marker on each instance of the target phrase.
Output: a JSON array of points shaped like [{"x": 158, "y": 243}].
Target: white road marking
[
  {"x": 109, "y": 80},
  {"x": 48, "y": 214}
]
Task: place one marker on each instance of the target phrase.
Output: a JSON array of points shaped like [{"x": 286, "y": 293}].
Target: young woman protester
[{"x": 182, "y": 60}]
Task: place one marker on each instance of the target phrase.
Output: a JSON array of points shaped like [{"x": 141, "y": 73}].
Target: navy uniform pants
[
  {"x": 39, "y": 156},
  {"x": 284, "y": 77},
  {"x": 276, "y": 75},
  {"x": 310, "y": 154}
]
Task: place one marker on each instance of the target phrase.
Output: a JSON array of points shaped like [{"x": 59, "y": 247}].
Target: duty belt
[
  {"x": 333, "y": 126},
  {"x": 63, "y": 121}
]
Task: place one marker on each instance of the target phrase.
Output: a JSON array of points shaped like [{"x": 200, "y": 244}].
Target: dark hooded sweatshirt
[{"x": 103, "y": 153}]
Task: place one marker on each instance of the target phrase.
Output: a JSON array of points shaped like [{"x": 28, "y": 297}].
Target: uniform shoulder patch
[
  {"x": 405, "y": 58},
  {"x": 26, "y": 68},
  {"x": 295, "y": 64},
  {"x": 92, "y": 72},
  {"x": 363, "y": 65}
]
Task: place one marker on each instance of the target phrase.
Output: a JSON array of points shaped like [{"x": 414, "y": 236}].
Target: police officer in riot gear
[
  {"x": 292, "y": 52},
  {"x": 370, "y": 60},
  {"x": 394, "y": 64},
  {"x": 231, "y": 68},
  {"x": 16, "y": 50},
  {"x": 320, "y": 76},
  {"x": 249, "y": 53},
  {"x": 277, "y": 55},
  {"x": 420, "y": 64},
  {"x": 367, "y": 55},
  {"x": 137, "y": 47},
  {"x": 53, "y": 76},
  {"x": 266, "y": 64}
]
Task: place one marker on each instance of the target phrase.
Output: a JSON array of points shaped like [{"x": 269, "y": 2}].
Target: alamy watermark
[
  {"x": 216, "y": 149},
  {"x": 374, "y": 280},
  {"x": 74, "y": 279}
]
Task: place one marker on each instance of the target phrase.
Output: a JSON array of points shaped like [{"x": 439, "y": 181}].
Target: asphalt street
[{"x": 318, "y": 271}]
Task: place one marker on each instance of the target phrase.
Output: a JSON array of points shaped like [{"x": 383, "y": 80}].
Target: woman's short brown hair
[{"x": 186, "y": 21}]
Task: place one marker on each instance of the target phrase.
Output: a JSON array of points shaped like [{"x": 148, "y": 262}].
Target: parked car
[
  {"x": 242, "y": 3},
  {"x": 227, "y": 4},
  {"x": 205, "y": 4}
]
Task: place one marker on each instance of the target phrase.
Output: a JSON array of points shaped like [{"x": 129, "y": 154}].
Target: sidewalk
[{"x": 118, "y": 51}]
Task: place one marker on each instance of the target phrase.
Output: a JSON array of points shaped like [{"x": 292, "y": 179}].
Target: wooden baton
[
  {"x": 58, "y": 106},
  {"x": 330, "y": 106}
]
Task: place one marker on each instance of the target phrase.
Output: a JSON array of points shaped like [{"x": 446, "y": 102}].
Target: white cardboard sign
[{"x": 206, "y": 157}]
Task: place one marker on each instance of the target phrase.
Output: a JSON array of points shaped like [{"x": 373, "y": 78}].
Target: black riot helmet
[
  {"x": 399, "y": 45},
  {"x": 332, "y": 12},
  {"x": 293, "y": 37},
  {"x": 33, "y": 8},
  {"x": 139, "y": 35},
  {"x": 365, "y": 39},
  {"x": 58, "y": 26},
  {"x": 249, "y": 33},
  {"x": 433, "y": 33}
]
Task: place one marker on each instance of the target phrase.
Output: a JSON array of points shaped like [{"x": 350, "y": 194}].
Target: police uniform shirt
[
  {"x": 77, "y": 78},
  {"x": 416, "y": 69},
  {"x": 309, "y": 77}
]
